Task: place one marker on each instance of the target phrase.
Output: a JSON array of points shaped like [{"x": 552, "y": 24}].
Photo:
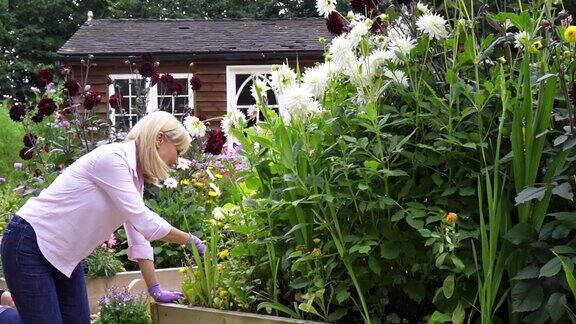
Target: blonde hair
[{"x": 144, "y": 133}]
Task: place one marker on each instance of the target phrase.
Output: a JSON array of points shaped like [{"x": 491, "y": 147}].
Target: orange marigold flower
[{"x": 451, "y": 218}]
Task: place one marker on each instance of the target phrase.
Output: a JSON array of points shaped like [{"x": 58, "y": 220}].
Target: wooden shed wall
[{"x": 210, "y": 100}]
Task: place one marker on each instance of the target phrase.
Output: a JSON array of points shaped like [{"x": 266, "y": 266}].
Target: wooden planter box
[
  {"x": 170, "y": 279},
  {"x": 181, "y": 314}
]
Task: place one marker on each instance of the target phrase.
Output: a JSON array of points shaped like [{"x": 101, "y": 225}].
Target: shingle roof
[{"x": 117, "y": 37}]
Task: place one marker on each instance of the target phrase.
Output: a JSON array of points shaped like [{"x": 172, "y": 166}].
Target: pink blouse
[{"x": 89, "y": 201}]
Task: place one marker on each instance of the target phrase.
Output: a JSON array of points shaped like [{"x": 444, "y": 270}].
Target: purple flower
[
  {"x": 2, "y": 180},
  {"x": 18, "y": 165}
]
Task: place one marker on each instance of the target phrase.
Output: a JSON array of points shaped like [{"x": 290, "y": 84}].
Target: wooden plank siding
[{"x": 210, "y": 100}]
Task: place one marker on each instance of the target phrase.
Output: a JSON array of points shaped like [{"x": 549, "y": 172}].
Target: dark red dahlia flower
[
  {"x": 37, "y": 118},
  {"x": 336, "y": 24},
  {"x": 43, "y": 77},
  {"x": 72, "y": 88},
  {"x": 46, "y": 107},
  {"x": 167, "y": 78},
  {"x": 174, "y": 88},
  {"x": 364, "y": 6},
  {"x": 215, "y": 142},
  {"x": 154, "y": 78},
  {"x": 26, "y": 153},
  {"x": 146, "y": 69},
  {"x": 195, "y": 83},
  {"x": 91, "y": 99},
  {"x": 17, "y": 111},
  {"x": 115, "y": 101},
  {"x": 30, "y": 140}
]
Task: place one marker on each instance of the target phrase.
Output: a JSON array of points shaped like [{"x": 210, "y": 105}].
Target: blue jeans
[
  {"x": 9, "y": 316},
  {"x": 42, "y": 294}
]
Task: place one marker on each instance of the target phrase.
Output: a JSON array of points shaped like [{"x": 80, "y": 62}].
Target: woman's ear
[{"x": 159, "y": 139}]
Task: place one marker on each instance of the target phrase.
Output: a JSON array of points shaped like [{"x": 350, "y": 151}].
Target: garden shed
[{"x": 223, "y": 53}]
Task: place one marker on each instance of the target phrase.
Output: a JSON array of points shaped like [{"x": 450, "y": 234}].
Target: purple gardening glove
[
  {"x": 164, "y": 296},
  {"x": 198, "y": 242}
]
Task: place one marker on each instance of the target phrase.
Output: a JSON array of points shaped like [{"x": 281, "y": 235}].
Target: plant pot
[
  {"x": 170, "y": 279},
  {"x": 182, "y": 314}
]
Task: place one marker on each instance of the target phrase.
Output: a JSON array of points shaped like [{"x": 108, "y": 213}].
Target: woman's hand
[
  {"x": 199, "y": 244},
  {"x": 164, "y": 296},
  {"x": 6, "y": 299}
]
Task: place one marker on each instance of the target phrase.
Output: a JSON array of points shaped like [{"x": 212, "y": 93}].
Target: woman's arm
[{"x": 148, "y": 271}]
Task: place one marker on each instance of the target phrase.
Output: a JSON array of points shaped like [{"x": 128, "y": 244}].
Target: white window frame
[
  {"x": 231, "y": 72},
  {"x": 152, "y": 95}
]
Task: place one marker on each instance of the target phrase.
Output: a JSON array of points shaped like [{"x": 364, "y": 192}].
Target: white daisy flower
[
  {"x": 316, "y": 78},
  {"x": 195, "y": 126},
  {"x": 341, "y": 53},
  {"x": 297, "y": 101},
  {"x": 397, "y": 76},
  {"x": 521, "y": 39},
  {"x": 282, "y": 78},
  {"x": 325, "y": 7},
  {"x": 171, "y": 183},
  {"x": 234, "y": 119},
  {"x": 402, "y": 46},
  {"x": 422, "y": 8},
  {"x": 433, "y": 25},
  {"x": 357, "y": 32},
  {"x": 259, "y": 86},
  {"x": 183, "y": 164},
  {"x": 378, "y": 59}
]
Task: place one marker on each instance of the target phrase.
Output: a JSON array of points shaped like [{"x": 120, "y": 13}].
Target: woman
[{"x": 49, "y": 236}]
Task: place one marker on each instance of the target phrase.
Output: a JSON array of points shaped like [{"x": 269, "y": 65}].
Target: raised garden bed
[
  {"x": 181, "y": 314},
  {"x": 170, "y": 279}
]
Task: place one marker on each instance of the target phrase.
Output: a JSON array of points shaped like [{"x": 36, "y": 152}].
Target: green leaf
[
  {"x": 389, "y": 250},
  {"x": 567, "y": 219},
  {"x": 569, "y": 275},
  {"x": 342, "y": 295},
  {"x": 337, "y": 314},
  {"x": 415, "y": 290},
  {"x": 412, "y": 221},
  {"x": 551, "y": 268},
  {"x": 556, "y": 306},
  {"x": 374, "y": 265},
  {"x": 279, "y": 307},
  {"x": 308, "y": 308},
  {"x": 530, "y": 193},
  {"x": 448, "y": 286},
  {"x": 449, "y": 191},
  {"x": 385, "y": 201},
  {"x": 530, "y": 272},
  {"x": 457, "y": 262},
  {"x": 372, "y": 165},
  {"x": 527, "y": 296},
  {"x": 363, "y": 186},
  {"x": 564, "y": 190},
  {"x": 458, "y": 314},
  {"x": 521, "y": 233},
  {"x": 466, "y": 191},
  {"x": 438, "y": 317}
]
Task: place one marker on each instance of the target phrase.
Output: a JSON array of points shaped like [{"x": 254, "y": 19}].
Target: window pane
[
  {"x": 240, "y": 78},
  {"x": 271, "y": 97},
  {"x": 123, "y": 84},
  {"x": 245, "y": 98},
  {"x": 181, "y": 103}
]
